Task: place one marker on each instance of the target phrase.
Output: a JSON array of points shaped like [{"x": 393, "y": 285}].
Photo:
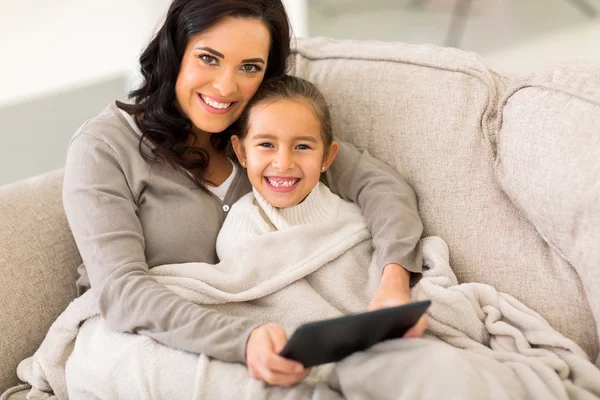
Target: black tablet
[{"x": 331, "y": 340}]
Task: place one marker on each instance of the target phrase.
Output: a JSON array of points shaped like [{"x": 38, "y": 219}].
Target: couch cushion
[
  {"x": 548, "y": 163},
  {"x": 38, "y": 267},
  {"x": 430, "y": 113}
]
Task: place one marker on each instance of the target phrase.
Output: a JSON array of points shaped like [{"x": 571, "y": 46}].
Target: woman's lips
[{"x": 216, "y": 107}]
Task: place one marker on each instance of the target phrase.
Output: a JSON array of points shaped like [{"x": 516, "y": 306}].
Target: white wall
[
  {"x": 298, "y": 13},
  {"x": 62, "y": 62},
  {"x": 580, "y": 42},
  {"x": 69, "y": 43}
]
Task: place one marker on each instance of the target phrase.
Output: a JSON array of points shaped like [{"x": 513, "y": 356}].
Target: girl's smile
[
  {"x": 284, "y": 151},
  {"x": 281, "y": 184}
]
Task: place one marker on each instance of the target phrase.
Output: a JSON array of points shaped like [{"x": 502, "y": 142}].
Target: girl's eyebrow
[
  {"x": 306, "y": 138},
  {"x": 221, "y": 55},
  {"x": 272, "y": 137}
]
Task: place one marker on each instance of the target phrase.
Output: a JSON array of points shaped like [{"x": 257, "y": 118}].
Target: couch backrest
[
  {"x": 38, "y": 267},
  {"x": 550, "y": 127},
  {"x": 431, "y": 113}
]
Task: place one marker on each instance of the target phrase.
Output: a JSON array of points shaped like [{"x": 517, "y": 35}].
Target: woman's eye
[
  {"x": 208, "y": 59},
  {"x": 251, "y": 68}
]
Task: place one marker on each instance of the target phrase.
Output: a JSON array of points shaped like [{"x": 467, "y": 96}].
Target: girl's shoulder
[{"x": 245, "y": 205}]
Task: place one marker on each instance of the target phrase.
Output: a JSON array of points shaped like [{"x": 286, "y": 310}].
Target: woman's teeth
[
  {"x": 282, "y": 182},
  {"x": 214, "y": 104}
]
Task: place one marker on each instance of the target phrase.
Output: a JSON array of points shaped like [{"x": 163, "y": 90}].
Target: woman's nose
[{"x": 225, "y": 83}]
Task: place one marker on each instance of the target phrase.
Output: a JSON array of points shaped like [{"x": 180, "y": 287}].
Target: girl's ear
[
  {"x": 330, "y": 155},
  {"x": 238, "y": 148}
]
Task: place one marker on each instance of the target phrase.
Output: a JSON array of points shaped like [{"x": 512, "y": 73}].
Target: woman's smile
[
  {"x": 215, "y": 106},
  {"x": 221, "y": 69}
]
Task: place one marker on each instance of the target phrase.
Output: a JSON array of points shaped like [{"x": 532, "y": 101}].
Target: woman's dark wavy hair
[{"x": 155, "y": 106}]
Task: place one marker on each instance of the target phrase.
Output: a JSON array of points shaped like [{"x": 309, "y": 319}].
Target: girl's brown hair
[{"x": 289, "y": 88}]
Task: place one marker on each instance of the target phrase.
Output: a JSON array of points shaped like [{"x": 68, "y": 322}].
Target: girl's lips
[
  {"x": 282, "y": 189},
  {"x": 212, "y": 109}
]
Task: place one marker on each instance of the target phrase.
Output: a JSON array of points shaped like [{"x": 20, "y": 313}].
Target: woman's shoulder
[{"x": 109, "y": 126}]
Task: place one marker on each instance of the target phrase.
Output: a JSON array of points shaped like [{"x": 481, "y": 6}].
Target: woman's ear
[
  {"x": 330, "y": 155},
  {"x": 238, "y": 148}
]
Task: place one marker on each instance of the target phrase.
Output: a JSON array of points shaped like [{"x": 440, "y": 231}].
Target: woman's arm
[
  {"x": 102, "y": 213},
  {"x": 389, "y": 206},
  {"x": 387, "y": 202}
]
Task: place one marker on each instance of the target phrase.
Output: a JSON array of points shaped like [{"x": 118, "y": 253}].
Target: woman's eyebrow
[
  {"x": 253, "y": 60},
  {"x": 221, "y": 55},
  {"x": 213, "y": 51}
]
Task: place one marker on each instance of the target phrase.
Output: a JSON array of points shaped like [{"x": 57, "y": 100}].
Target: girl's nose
[{"x": 284, "y": 160}]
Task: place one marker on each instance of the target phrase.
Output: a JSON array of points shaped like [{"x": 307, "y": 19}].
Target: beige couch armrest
[{"x": 38, "y": 267}]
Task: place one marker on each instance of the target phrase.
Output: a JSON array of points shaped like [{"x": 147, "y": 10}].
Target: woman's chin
[{"x": 214, "y": 127}]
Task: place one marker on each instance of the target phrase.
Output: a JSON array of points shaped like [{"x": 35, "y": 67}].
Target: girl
[
  {"x": 150, "y": 183},
  {"x": 285, "y": 144}
]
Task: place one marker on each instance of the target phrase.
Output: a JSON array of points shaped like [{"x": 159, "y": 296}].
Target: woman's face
[
  {"x": 284, "y": 151},
  {"x": 221, "y": 69}
]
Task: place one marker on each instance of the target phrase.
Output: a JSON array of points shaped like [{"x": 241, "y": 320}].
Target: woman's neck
[
  {"x": 219, "y": 167},
  {"x": 201, "y": 140}
]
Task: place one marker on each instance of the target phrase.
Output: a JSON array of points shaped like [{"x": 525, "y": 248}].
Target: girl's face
[
  {"x": 284, "y": 151},
  {"x": 221, "y": 69}
]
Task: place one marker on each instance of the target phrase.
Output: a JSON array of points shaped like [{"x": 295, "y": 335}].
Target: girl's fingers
[
  {"x": 278, "y": 338},
  {"x": 278, "y": 364},
  {"x": 267, "y": 365},
  {"x": 272, "y": 377}
]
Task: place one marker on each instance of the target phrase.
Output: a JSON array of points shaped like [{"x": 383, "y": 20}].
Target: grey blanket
[{"x": 480, "y": 343}]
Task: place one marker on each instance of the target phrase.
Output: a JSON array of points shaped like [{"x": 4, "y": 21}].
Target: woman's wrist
[{"x": 397, "y": 277}]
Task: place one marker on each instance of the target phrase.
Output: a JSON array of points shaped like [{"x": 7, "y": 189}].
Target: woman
[{"x": 149, "y": 183}]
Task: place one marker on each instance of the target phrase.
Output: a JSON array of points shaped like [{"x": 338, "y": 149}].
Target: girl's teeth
[
  {"x": 282, "y": 183},
  {"x": 215, "y": 104}
]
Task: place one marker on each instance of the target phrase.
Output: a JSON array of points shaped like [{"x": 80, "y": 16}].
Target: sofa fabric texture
[
  {"x": 434, "y": 115},
  {"x": 38, "y": 266},
  {"x": 548, "y": 163}
]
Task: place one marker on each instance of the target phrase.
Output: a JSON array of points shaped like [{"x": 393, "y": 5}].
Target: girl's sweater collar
[{"x": 319, "y": 205}]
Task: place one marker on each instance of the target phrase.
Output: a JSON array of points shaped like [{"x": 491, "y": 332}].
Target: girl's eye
[
  {"x": 303, "y": 147},
  {"x": 251, "y": 68},
  {"x": 208, "y": 59},
  {"x": 265, "y": 144}
]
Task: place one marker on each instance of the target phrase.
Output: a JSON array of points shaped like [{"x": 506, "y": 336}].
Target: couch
[{"x": 506, "y": 171}]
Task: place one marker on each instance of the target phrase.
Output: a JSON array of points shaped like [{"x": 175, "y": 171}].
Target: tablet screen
[{"x": 331, "y": 340}]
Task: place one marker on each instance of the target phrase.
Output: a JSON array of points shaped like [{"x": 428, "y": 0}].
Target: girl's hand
[
  {"x": 263, "y": 359},
  {"x": 394, "y": 290}
]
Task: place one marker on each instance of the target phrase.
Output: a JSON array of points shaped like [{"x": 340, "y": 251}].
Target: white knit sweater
[{"x": 252, "y": 216}]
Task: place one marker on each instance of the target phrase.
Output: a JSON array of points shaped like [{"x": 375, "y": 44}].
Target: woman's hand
[
  {"x": 394, "y": 290},
  {"x": 263, "y": 359}
]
